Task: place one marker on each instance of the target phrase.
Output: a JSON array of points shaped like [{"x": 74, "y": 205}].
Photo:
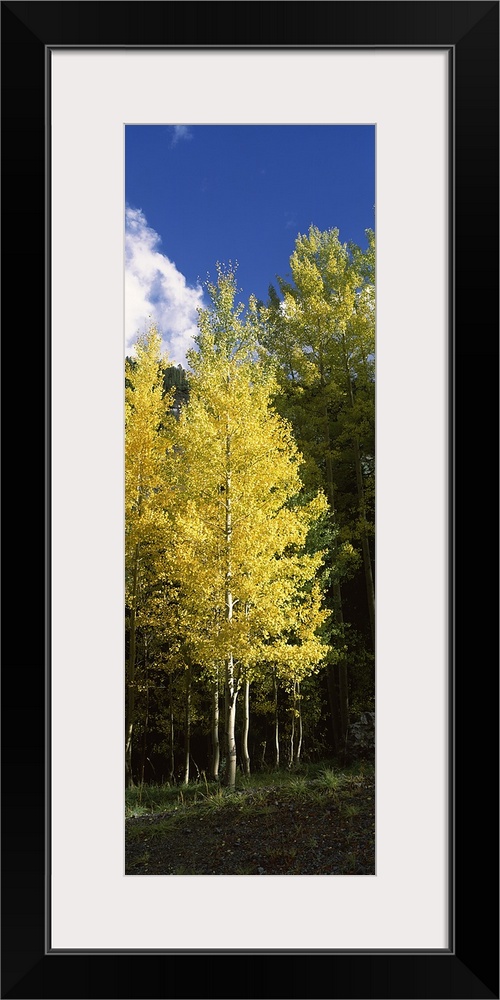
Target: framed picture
[{"x": 426, "y": 76}]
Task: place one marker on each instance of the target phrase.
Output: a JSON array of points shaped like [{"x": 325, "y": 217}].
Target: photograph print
[{"x": 249, "y": 411}]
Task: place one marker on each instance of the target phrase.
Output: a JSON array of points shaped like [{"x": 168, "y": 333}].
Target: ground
[{"x": 306, "y": 827}]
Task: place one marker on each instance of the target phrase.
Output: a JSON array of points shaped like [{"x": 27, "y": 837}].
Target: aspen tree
[
  {"x": 323, "y": 333},
  {"x": 248, "y": 592},
  {"x": 147, "y": 422}
]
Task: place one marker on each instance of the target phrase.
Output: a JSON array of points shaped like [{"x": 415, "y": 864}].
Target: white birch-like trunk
[
  {"x": 276, "y": 725},
  {"x": 245, "y": 756},
  {"x": 292, "y": 738},
  {"x": 299, "y": 744},
  {"x": 187, "y": 727},
  {"x": 172, "y": 732},
  {"x": 231, "y": 686},
  {"x": 215, "y": 731},
  {"x": 231, "y": 724}
]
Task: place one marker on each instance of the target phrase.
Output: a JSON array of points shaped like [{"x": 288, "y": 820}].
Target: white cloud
[
  {"x": 155, "y": 291},
  {"x": 180, "y": 132}
]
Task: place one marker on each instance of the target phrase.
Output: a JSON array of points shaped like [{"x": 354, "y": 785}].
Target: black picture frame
[{"x": 469, "y": 969}]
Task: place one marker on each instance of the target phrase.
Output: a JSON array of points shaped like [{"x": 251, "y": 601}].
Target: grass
[
  {"x": 328, "y": 778},
  {"x": 143, "y": 800},
  {"x": 252, "y": 792},
  {"x": 306, "y": 820}
]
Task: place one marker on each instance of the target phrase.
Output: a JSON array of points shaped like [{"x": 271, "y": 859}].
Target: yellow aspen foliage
[
  {"x": 248, "y": 591},
  {"x": 323, "y": 333},
  {"x": 148, "y": 436},
  {"x": 147, "y": 439}
]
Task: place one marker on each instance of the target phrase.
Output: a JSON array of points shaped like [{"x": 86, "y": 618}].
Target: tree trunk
[
  {"x": 292, "y": 732},
  {"x": 245, "y": 756},
  {"x": 231, "y": 688},
  {"x": 187, "y": 726},
  {"x": 339, "y": 703},
  {"x": 344, "y": 703},
  {"x": 146, "y": 720},
  {"x": 299, "y": 744},
  {"x": 215, "y": 731},
  {"x": 130, "y": 701},
  {"x": 276, "y": 724},
  {"x": 336, "y": 689},
  {"x": 172, "y": 731},
  {"x": 231, "y": 724},
  {"x": 296, "y": 726}
]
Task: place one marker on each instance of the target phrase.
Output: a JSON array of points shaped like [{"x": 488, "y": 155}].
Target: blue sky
[{"x": 198, "y": 194}]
